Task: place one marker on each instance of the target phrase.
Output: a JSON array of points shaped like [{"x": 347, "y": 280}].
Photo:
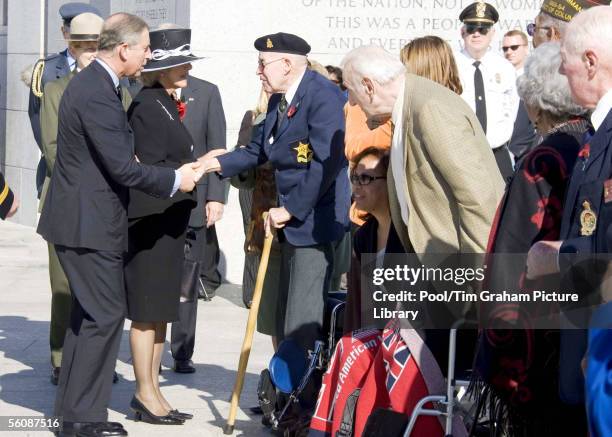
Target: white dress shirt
[
  {"x": 499, "y": 77},
  {"x": 290, "y": 93},
  {"x": 398, "y": 167},
  {"x": 71, "y": 61},
  {"x": 601, "y": 110}
]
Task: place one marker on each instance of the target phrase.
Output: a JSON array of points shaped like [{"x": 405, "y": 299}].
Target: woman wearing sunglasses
[{"x": 376, "y": 235}]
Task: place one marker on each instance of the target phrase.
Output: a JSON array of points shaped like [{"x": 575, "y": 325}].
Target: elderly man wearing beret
[{"x": 303, "y": 138}]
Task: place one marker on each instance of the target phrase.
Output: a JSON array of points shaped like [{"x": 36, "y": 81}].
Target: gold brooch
[{"x": 588, "y": 219}]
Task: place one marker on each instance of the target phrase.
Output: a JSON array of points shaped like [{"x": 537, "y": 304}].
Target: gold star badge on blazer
[{"x": 304, "y": 152}]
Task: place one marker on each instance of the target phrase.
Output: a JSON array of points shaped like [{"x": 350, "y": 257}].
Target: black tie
[
  {"x": 479, "y": 95},
  {"x": 282, "y": 108}
]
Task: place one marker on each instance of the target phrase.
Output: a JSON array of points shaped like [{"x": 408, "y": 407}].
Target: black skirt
[{"x": 154, "y": 263}]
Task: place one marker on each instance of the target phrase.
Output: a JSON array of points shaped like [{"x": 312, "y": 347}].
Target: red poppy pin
[
  {"x": 585, "y": 152},
  {"x": 182, "y": 108},
  {"x": 292, "y": 110}
]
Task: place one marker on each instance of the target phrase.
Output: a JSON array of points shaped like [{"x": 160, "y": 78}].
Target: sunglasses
[
  {"x": 473, "y": 28},
  {"x": 514, "y": 48},
  {"x": 532, "y": 28},
  {"x": 364, "y": 179}
]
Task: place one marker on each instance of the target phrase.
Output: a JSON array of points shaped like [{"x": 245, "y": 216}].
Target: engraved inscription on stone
[
  {"x": 393, "y": 23},
  {"x": 154, "y": 12}
]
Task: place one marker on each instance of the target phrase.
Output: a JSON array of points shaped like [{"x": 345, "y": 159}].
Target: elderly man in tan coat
[{"x": 443, "y": 182}]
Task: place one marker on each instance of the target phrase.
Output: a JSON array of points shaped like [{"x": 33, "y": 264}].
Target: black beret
[
  {"x": 479, "y": 13},
  {"x": 70, "y": 10},
  {"x": 282, "y": 43}
]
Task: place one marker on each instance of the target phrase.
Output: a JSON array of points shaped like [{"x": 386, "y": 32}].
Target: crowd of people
[{"x": 433, "y": 152}]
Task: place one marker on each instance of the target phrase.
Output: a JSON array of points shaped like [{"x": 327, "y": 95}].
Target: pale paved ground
[{"x": 24, "y": 352}]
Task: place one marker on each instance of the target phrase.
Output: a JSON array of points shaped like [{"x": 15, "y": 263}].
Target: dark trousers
[
  {"x": 304, "y": 283},
  {"x": 92, "y": 341},
  {"x": 504, "y": 162},
  {"x": 182, "y": 337},
  {"x": 209, "y": 257}
]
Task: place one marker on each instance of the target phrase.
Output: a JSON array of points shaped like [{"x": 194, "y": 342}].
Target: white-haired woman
[{"x": 520, "y": 367}]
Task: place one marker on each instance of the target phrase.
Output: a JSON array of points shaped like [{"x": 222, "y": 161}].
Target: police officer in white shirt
[{"x": 489, "y": 81}]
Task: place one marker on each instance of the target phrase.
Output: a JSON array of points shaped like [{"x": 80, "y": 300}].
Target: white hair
[
  {"x": 542, "y": 86},
  {"x": 168, "y": 26},
  {"x": 372, "y": 62},
  {"x": 591, "y": 28}
]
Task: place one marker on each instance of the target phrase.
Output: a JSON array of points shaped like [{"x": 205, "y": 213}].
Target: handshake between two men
[{"x": 208, "y": 163}]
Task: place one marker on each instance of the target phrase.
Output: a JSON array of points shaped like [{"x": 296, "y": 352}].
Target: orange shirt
[{"x": 358, "y": 137}]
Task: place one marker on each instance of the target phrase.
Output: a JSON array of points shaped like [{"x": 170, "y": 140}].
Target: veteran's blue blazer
[
  {"x": 308, "y": 154},
  {"x": 589, "y": 189}
]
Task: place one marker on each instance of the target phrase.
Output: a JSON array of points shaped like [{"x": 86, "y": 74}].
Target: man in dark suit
[
  {"x": 49, "y": 69},
  {"x": 303, "y": 137},
  {"x": 586, "y": 228},
  {"x": 205, "y": 121},
  {"x": 84, "y": 215}
]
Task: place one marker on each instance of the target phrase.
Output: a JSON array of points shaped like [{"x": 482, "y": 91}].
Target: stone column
[{"x": 21, "y": 154}]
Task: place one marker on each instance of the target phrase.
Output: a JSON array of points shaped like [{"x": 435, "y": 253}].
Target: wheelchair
[
  {"x": 456, "y": 387},
  {"x": 288, "y": 373}
]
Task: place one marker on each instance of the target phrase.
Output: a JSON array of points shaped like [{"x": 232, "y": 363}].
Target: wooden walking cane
[{"x": 250, "y": 329}]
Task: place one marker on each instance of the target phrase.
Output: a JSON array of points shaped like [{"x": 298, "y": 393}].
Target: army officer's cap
[
  {"x": 70, "y": 10},
  {"x": 282, "y": 43},
  {"x": 479, "y": 13}
]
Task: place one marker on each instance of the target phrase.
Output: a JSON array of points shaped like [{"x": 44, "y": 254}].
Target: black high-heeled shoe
[
  {"x": 180, "y": 414},
  {"x": 142, "y": 413}
]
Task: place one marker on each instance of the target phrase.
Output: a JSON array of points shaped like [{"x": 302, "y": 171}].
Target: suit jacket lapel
[
  {"x": 295, "y": 102},
  {"x": 271, "y": 117},
  {"x": 599, "y": 141},
  {"x": 396, "y": 212}
]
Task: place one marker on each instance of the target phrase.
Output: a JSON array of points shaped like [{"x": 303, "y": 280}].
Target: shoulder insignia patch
[{"x": 37, "y": 74}]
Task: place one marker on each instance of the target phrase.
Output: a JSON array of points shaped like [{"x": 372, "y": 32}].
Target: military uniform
[
  {"x": 47, "y": 70},
  {"x": 6, "y": 198}
]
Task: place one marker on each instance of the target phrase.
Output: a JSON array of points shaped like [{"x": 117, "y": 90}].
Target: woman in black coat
[{"x": 157, "y": 226}]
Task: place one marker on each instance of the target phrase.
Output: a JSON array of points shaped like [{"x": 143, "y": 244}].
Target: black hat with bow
[{"x": 170, "y": 48}]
